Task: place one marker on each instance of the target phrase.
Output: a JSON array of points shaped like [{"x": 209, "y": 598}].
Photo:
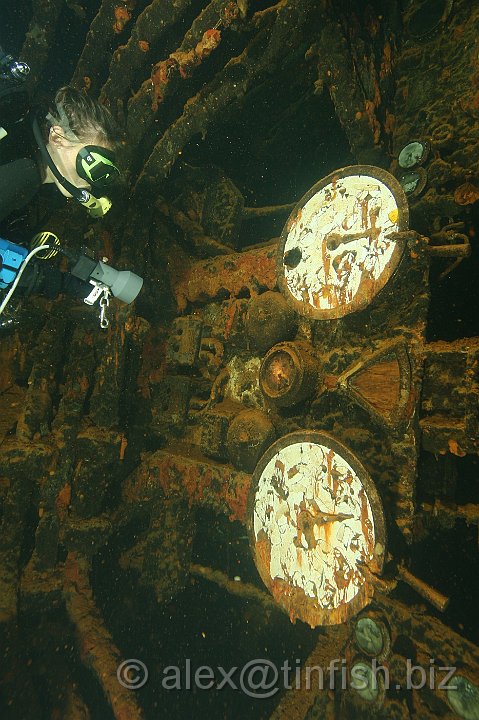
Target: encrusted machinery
[
  {"x": 341, "y": 387},
  {"x": 286, "y": 384}
]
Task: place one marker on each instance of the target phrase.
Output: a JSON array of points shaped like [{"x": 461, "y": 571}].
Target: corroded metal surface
[
  {"x": 252, "y": 271},
  {"x": 336, "y": 250},
  {"x": 450, "y": 397},
  {"x": 250, "y": 433},
  {"x": 314, "y": 518},
  {"x": 270, "y": 320},
  {"x": 84, "y": 421},
  {"x": 203, "y": 482}
]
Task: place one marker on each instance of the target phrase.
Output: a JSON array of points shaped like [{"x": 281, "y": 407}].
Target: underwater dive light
[
  {"x": 14, "y": 259},
  {"x": 123, "y": 284}
]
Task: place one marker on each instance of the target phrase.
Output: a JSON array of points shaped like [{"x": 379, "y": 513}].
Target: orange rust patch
[
  {"x": 143, "y": 45},
  {"x": 238, "y": 501},
  {"x": 466, "y": 194},
  {"x": 389, "y": 123},
  {"x": 123, "y": 444},
  {"x": 455, "y": 449},
  {"x": 386, "y": 63},
  {"x": 209, "y": 42},
  {"x": 63, "y": 500},
  {"x": 122, "y": 16}
]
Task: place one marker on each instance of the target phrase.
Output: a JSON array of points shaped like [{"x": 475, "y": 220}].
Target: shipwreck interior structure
[{"x": 273, "y": 452}]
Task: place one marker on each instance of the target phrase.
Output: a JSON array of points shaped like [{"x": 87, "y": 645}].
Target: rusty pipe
[
  {"x": 461, "y": 249},
  {"x": 433, "y": 596}
]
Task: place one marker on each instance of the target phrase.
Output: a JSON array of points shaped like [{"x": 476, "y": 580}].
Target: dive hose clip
[{"x": 102, "y": 291}]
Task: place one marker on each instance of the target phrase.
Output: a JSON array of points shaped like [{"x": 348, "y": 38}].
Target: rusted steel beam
[
  {"x": 21, "y": 463},
  {"x": 75, "y": 706},
  {"x": 128, "y": 59},
  {"x": 200, "y": 41},
  {"x": 449, "y": 250},
  {"x": 448, "y": 514},
  {"x": 227, "y": 276},
  {"x": 246, "y": 591},
  {"x": 36, "y": 414},
  {"x": 141, "y": 106},
  {"x": 111, "y": 18},
  {"x": 96, "y": 646},
  {"x": 217, "y": 100},
  {"x": 251, "y": 213},
  {"x": 297, "y": 701},
  {"x": 450, "y": 397},
  {"x": 203, "y": 482},
  {"x": 341, "y": 59}
]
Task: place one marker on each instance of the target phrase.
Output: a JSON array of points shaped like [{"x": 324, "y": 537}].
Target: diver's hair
[{"x": 90, "y": 121}]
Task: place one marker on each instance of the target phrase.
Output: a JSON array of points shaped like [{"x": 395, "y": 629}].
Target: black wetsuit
[
  {"x": 20, "y": 181},
  {"x": 20, "y": 172}
]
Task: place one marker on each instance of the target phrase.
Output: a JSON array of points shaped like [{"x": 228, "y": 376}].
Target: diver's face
[{"x": 64, "y": 152}]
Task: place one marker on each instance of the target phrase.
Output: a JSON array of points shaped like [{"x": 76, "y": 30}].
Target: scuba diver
[
  {"x": 72, "y": 147},
  {"x": 75, "y": 150}
]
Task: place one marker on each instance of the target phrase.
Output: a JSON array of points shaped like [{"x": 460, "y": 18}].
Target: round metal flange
[
  {"x": 315, "y": 521},
  {"x": 414, "y": 181},
  {"x": 338, "y": 248},
  {"x": 463, "y": 697},
  {"x": 288, "y": 374},
  {"x": 367, "y": 682},
  {"x": 413, "y": 154},
  {"x": 371, "y": 635}
]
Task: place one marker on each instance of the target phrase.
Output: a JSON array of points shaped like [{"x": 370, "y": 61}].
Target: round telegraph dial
[
  {"x": 315, "y": 522},
  {"x": 338, "y": 248}
]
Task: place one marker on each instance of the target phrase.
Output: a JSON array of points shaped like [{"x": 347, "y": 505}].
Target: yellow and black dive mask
[{"x": 96, "y": 165}]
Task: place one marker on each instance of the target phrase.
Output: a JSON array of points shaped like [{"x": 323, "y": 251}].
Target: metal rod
[
  {"x": 462, "y": 250},
  {"x": 433, "y": 596}
]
